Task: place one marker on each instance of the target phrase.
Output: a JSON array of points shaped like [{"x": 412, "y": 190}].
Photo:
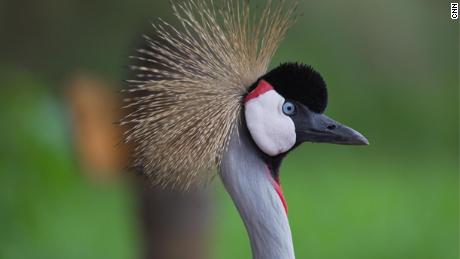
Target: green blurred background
[{"x": 392, "y": 71}]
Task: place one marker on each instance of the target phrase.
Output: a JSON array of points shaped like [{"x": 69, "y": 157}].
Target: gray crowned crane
[{"x": 203, "y": 101}]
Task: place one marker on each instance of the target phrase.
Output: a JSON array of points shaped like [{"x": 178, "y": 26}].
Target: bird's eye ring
[{"x": 289, "y": 108}]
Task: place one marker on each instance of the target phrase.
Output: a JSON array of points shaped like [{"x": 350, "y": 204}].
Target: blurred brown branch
[{"x": 95, "y": 108}]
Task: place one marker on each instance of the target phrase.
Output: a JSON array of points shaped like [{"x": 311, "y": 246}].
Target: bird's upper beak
[{"x": 322, "y": 129}]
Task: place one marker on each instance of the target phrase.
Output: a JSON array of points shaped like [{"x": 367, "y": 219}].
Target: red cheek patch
[{"x": 261, "y": 88}]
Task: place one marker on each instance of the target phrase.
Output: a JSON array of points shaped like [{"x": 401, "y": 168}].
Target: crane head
[
  {"x": 285, "y": 107},
  {"x": 185, "y": 100}
]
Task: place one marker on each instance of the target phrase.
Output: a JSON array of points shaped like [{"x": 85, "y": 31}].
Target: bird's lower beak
[{"x": 323, "y": 129}]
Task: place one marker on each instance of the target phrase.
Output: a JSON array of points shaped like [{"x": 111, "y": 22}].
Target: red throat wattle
[{"x": 277, "y": 185}]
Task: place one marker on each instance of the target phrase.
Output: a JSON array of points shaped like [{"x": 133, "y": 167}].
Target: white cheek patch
[{"x": 271, "y": 129}]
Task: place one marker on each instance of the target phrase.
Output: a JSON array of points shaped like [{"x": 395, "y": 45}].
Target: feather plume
[{"x": 187, "y": 96}]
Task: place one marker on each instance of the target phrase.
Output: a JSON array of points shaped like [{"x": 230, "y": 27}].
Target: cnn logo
[{"x": 454, "y": 11}]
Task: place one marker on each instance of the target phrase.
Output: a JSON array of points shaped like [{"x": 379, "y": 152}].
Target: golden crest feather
[{"x": 187, "y": 96}]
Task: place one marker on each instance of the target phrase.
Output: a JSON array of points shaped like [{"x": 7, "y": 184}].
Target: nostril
[{"x": 331, "y": 127}]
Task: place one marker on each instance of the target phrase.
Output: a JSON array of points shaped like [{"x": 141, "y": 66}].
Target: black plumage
[{"x": 300, "y": 83}]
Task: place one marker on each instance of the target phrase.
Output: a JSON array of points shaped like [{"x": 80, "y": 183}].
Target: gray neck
[{"x": 250, "y": 185}]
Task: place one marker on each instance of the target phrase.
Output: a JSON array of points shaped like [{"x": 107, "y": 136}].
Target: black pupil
[{"x": 288, "y": 108}]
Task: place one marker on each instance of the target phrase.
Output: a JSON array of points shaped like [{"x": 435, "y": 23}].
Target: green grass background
[{"x": 392, "y": 71}]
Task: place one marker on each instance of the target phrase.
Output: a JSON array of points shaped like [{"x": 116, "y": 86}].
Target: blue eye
[{"x": 288, "y": 108}]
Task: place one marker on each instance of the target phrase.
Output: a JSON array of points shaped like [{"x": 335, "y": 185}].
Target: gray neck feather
[{"x": 250, "y": 185}]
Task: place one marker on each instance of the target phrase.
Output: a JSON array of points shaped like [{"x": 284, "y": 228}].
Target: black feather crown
[{"x": 300, "y": 83}]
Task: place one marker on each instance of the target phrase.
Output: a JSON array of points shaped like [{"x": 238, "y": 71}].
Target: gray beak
[{"x": 322, "y": 129}]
